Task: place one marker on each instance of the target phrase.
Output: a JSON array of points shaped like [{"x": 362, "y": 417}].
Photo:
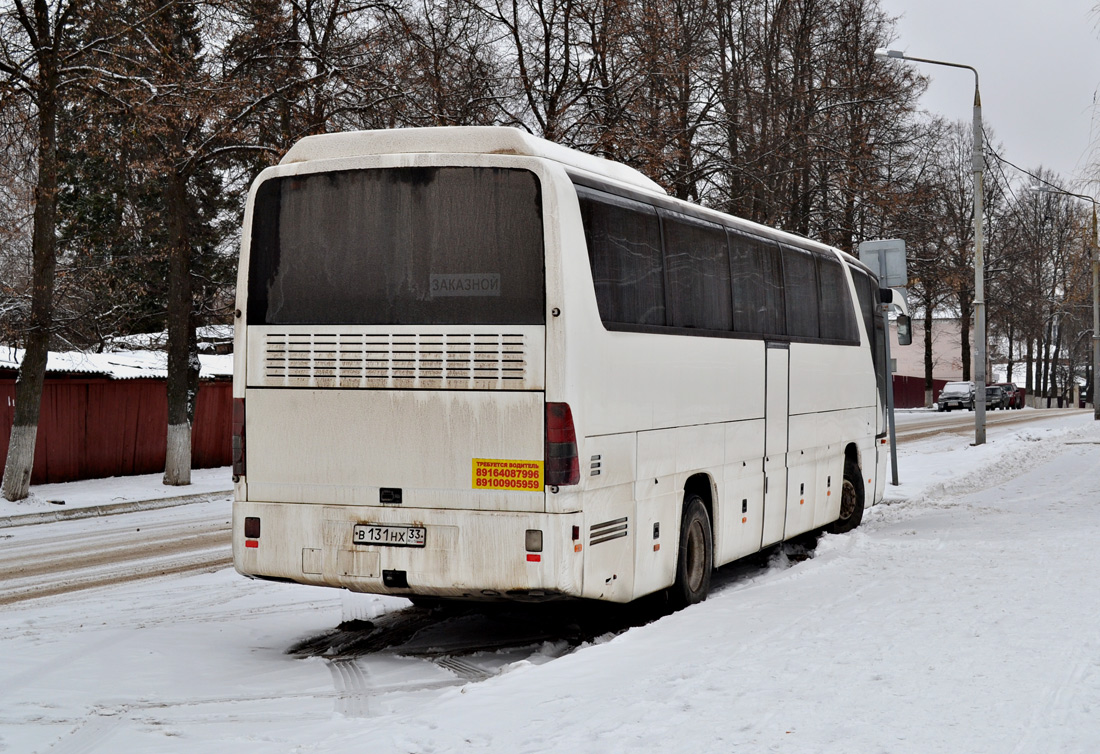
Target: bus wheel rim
[
  {"x": 847, "y": 500},
  {"x": 695, "y": 556}
]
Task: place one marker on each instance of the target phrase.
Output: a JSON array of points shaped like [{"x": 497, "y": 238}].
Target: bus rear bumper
[{"x": 470, "y": 555}]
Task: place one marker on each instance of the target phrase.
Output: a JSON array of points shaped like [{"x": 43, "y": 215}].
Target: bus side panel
[
  {"x": 653, "y": 382},
  {"x": 606, "y": 497},
  {"x": 667, "y": 458},
  {"x": 817, "y": 470},
  {"x": 801, "y": 489},
  {"x": 609, "y": 535},
  {"x": 828, "y": 378},
  {"x": 739, "y": 523},
  {"x": 658, "y": 517},
  {"x": 832, "y": 407},
  {"x": 680, "y": 451}
]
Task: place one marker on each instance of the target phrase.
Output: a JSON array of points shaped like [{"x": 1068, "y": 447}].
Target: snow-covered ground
[
  {"x": 960, "y": 617},
  {"x": 103, "y": 493}
]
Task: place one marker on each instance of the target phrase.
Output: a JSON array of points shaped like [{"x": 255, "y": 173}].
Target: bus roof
[{"x": 460, "y": 140}]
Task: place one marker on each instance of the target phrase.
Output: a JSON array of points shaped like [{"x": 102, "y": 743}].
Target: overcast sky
[{"x": 1039, "y": 64}]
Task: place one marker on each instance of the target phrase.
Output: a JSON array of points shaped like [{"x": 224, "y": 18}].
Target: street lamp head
[
  {"x": 1040, "y": 188},
  {"x": 883, "y": 54}
]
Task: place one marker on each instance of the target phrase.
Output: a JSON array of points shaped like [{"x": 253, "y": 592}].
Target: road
[
  {"x": 919, "y": 425},
  {"x": 66, "y": 556}
]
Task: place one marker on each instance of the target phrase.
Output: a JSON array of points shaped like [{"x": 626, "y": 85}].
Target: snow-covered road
[
  {"x": 65, "y": 556},
  {"x": 919, "y": 424},
  {"x": 961, "y": 617}
]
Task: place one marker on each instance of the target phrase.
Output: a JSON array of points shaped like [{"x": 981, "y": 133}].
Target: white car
[{"x": 957, "y": 395}]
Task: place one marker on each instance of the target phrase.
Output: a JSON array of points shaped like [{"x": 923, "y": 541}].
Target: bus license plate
[{"x": 391, "y": 536}]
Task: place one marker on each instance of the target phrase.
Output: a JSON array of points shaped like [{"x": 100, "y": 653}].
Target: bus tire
[
  {"x": 695, "y": 557},
  {"x": 851, "y": 500}
]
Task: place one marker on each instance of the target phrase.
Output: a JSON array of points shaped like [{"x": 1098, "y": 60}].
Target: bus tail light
[
  {"x": 562, "y": 465},
  {"x": 238, "y": 438}
]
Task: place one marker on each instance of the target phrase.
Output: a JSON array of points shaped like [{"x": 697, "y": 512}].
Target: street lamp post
[
  {"x": 978, "y": 163},
  {"x": 1095, "y": 259}
]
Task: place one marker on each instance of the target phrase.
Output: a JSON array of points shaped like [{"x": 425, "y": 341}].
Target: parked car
[
  {"x": 956, "y": 395},
  {"x": 1014, "y": 396},
  {"x": 994, "y": 397}
]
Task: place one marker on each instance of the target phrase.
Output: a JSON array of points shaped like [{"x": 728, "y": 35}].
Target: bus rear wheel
[
  {"x": 695, "y": 558},
  {"x": 851, "y": 500}
]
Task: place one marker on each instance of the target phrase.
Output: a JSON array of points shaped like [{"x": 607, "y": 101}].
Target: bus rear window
[{"x": 398, "y": 246}]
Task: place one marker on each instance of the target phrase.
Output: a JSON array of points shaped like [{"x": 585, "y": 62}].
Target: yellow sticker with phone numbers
[{"x": 498, "y": 474}]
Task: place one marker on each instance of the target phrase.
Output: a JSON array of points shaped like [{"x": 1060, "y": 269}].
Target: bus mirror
[
  {"x": 905, "y": 330},
  {"x": 886, "y": 295}
]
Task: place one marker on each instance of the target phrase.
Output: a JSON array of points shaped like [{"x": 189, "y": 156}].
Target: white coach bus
[{"x": 473, "y": 364}]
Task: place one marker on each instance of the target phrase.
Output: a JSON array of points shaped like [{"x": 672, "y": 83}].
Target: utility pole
[{"x": 978, "y": 165}]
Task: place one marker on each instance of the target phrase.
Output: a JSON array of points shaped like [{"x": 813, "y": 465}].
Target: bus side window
[
  {"x": 838, "y": 321},
  {"x": 800, "y": 282},
  {"x": 867, "y": 293},
  {"x": 624, "y": 249},
  {"x": 756, "y": 280},
  {"x": 697, "y": 258}
]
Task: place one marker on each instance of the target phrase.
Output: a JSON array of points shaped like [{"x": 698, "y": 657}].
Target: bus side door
[{"x": 776, "y": 403}]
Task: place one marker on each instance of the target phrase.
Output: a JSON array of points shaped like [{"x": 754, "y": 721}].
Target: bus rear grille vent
[
  {"x": 407, "y": 360},
  {"x": 607, "y": 531}
]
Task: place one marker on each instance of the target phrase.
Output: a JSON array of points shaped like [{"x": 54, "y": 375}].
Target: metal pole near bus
[
  {"x": 978, "y": 165},
  {"x": 890, "y": 398}
]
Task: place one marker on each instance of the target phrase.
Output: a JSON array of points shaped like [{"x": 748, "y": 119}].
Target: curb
[{"x": 108, "y": 509}]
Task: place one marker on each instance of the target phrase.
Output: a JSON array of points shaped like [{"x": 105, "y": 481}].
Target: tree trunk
[
  {"x": 182, "y": 359},
  {"x": 1029, "y": 377},
  {"x": 1044, "y": 385},
  {"x": 32, "y": 372}
]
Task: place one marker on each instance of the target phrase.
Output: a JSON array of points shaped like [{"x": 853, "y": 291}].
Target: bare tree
[
  {"x": 39, "y": 62},
  {"x": 17, "y": 178},
  {"x": 539, "y": 42},
  {"x": 444, "y": 62},
  {"x": 809, "y": 124},
  {"x": 185, "y": 118},
  {"x": 906, "y": 208}
]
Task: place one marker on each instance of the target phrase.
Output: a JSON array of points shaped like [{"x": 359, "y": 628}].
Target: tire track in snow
[{"x": 88, "y": 735}]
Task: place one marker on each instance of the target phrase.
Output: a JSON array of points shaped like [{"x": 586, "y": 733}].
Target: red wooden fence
[
  {"x": 909, "y": 391},
  {"x": 92, "y": 428}
]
